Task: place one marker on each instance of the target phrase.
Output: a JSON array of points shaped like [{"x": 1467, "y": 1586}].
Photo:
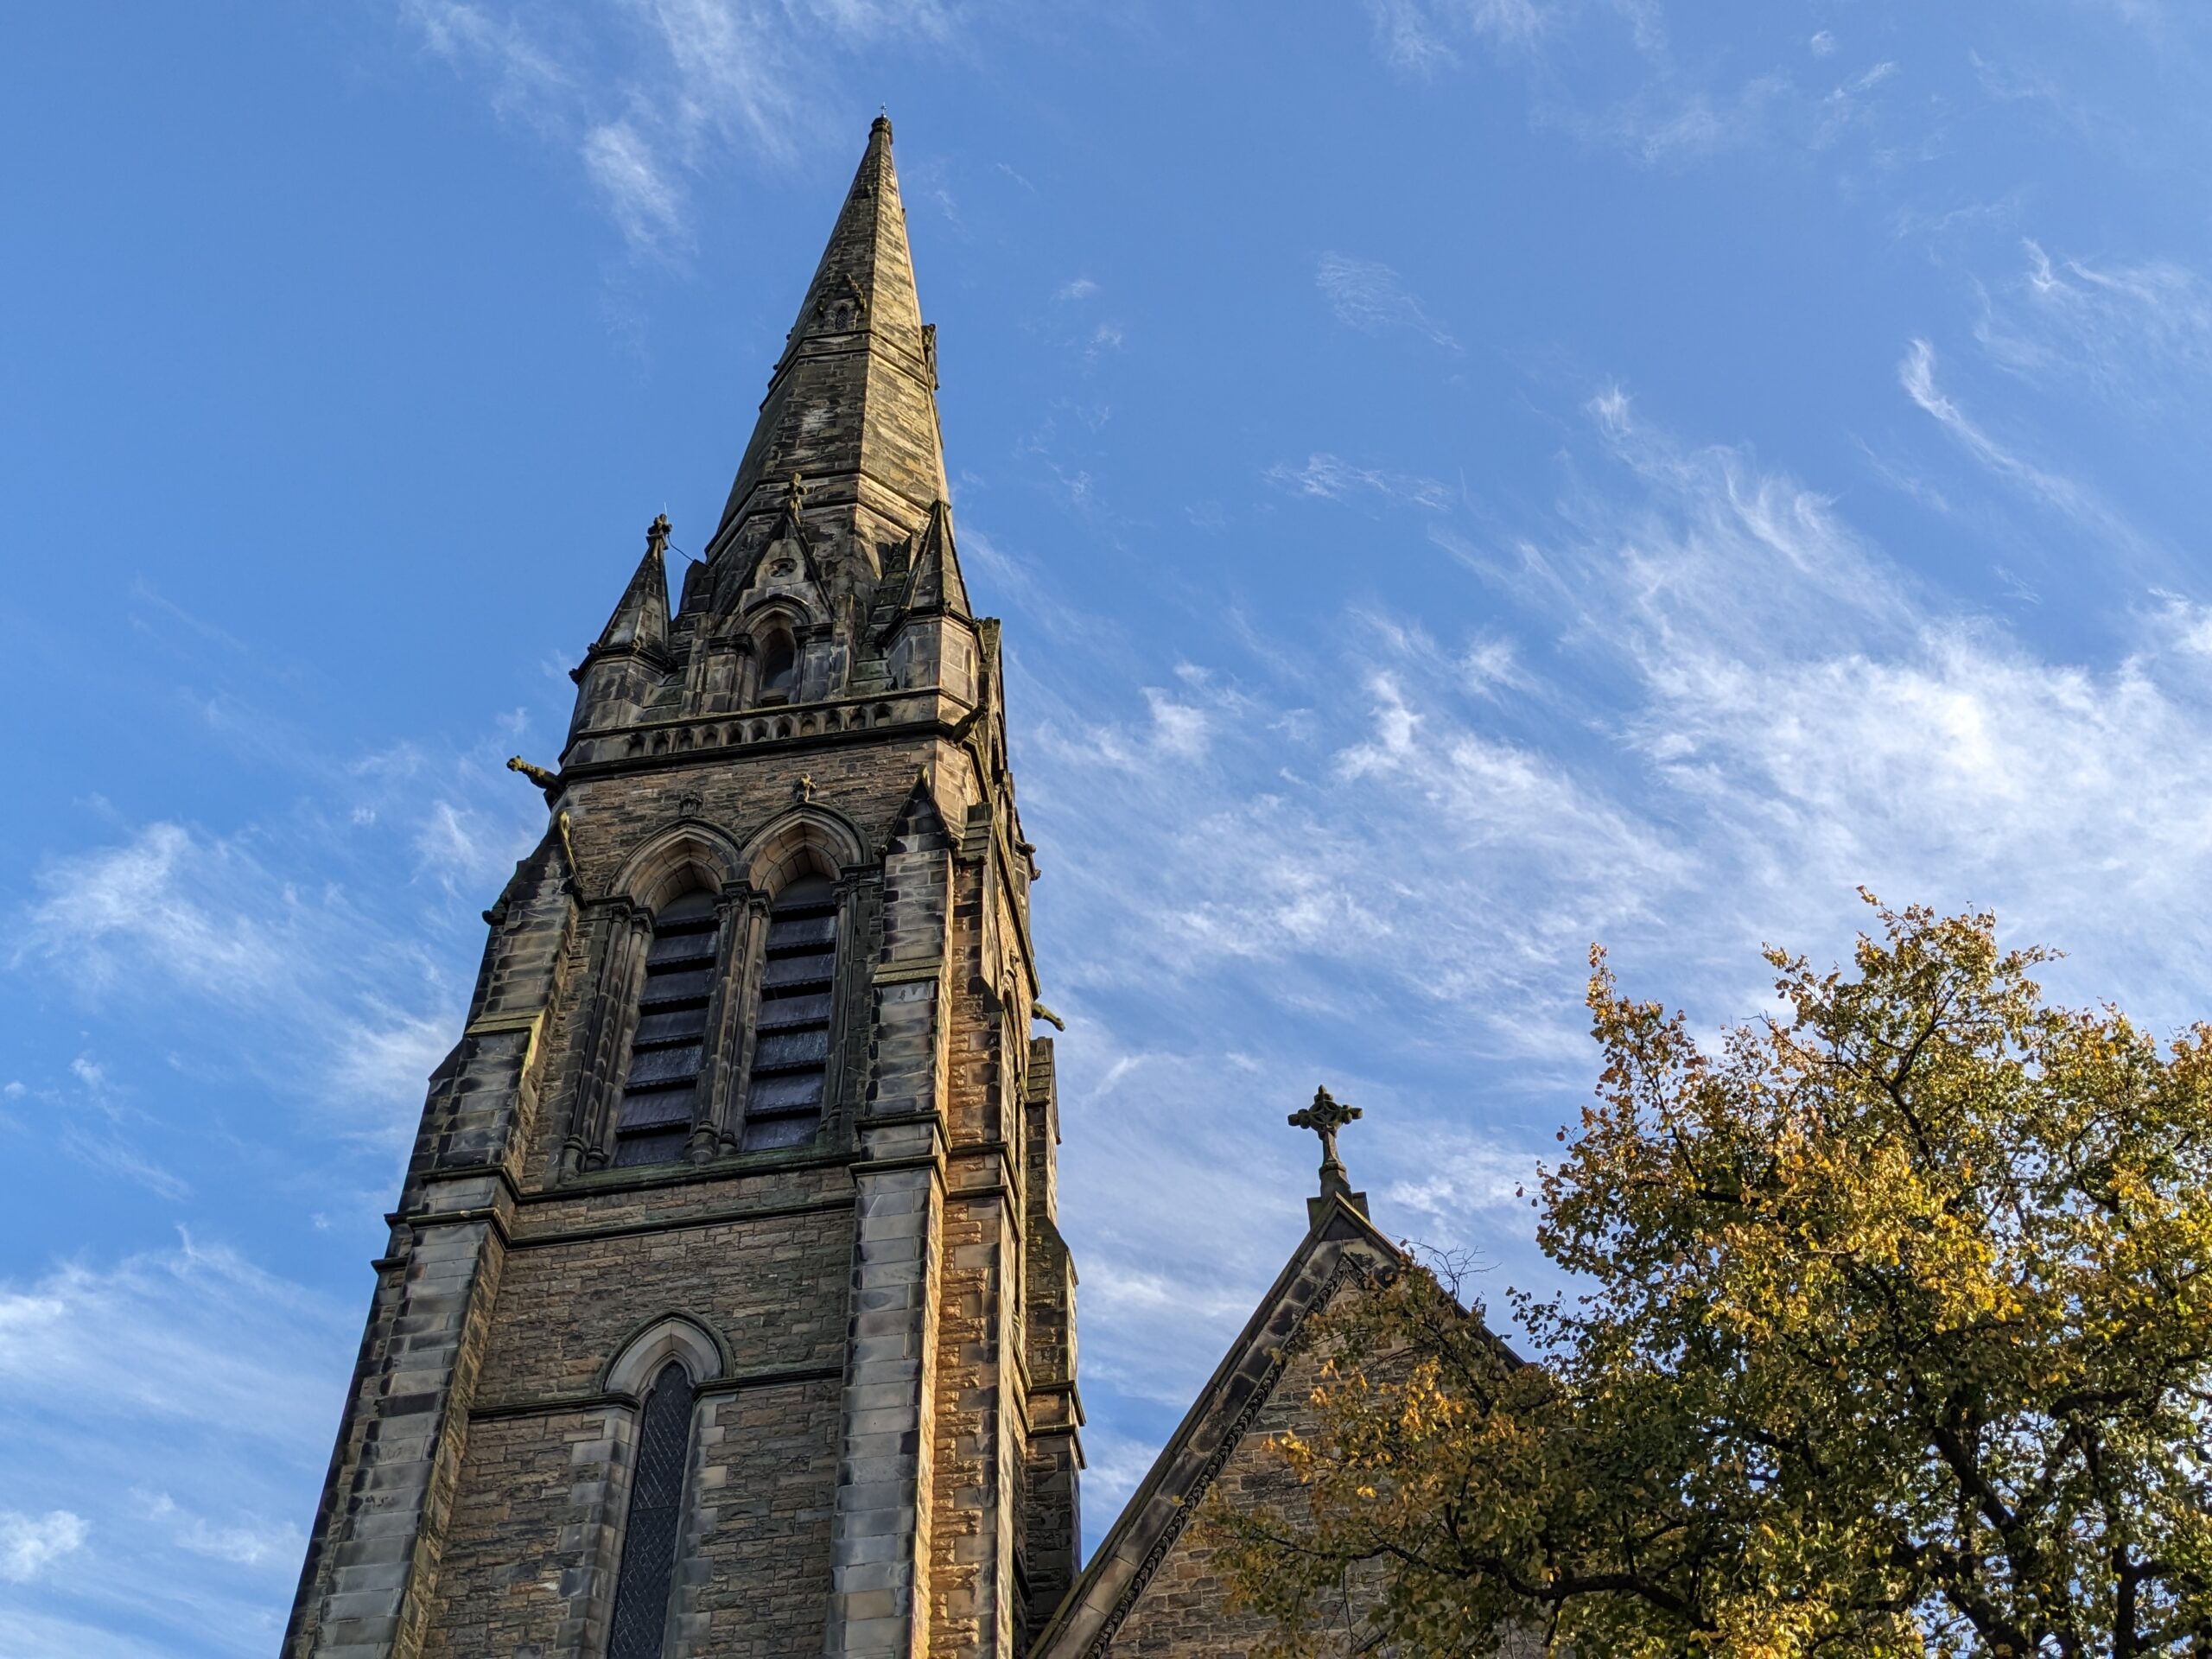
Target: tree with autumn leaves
[{"x": 1892, "y": 1336}]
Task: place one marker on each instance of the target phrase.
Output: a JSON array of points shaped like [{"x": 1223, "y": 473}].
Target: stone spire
[{"x": 852, "y": 405}]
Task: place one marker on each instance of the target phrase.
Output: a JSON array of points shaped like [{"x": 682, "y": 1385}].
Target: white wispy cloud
[
  {"x": 645, "y": 202},
  {"x": 1845, "y": 105},
  {"x": 171, "y": 913},
  {"x": 1406, "y": 38},
  {"x": 2067, "y": 496},
  {"x": 1330, "y": 478},
  {"x": 183, "y": 1335},
  {"x": 186, "y": 1370},
  {"x": 317, "y": 934},
  {"x": 467, "y": 846},
  {"x": 523, "y": 76},
  {"x": 1667, "y": 124},
  {"x": 1081, "y": 287},
  {"x": 29, "y": 1544},
  {"x": 650, "y": 95},
  {"x": 2141, "y": 332},
  {"x": 250, "y": 1543},
  {"x": 104, "y": 912},
  {"x": 1463, "y": 1179},
  {"x": 1415, "y": 34},
  {"x": 1368, "y": 296},
  {"x": 1702, "y": 707},
  {"x": 1671, "y": 111}
]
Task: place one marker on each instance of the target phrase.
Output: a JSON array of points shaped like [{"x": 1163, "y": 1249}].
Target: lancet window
[
  {"x": 649, "y": 1537},
  {"x": 790, "y": 1048},
  {"x": 668, "y": 1047},
  {"x": 778, "y": 666}
]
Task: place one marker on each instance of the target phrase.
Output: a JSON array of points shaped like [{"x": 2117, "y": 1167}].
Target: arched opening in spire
[{"x": 778, "y": 665}]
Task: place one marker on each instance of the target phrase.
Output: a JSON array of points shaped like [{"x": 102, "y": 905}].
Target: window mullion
[{"x": 729, "y": 1025}]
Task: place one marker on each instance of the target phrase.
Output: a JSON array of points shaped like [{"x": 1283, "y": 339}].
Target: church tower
[{"x": 724, "y": 1313}]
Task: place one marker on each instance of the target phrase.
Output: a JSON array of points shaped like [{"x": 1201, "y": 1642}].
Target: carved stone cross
[{"x": 1325, "y": 1117}]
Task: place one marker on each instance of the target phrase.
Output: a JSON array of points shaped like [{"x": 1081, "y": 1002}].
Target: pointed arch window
[
  {"x": 649, "y": 1535},
  {"x": 778, "y": 665},
  {"x": 666, "y": 1051},
  {"x": 791, "y": 1046}
]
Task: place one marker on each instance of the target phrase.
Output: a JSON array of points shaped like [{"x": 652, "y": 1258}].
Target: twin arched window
[{"x": 791, "y": 1016}]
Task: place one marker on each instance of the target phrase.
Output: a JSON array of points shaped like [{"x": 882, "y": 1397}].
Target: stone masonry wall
[
  {"x": 774, "y": 1289},
  {"x": 1183, "y": 1612},
  {"x": 370, "y": 1579}
]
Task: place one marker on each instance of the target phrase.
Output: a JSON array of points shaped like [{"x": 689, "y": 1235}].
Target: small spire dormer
[
  {"x": 789, "y": 554},
  {"x": 934, "y": 586},
  {"x": 932, "y": 638}
]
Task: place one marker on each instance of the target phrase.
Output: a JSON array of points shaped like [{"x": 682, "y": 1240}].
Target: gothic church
[{"x": 724, "y": 1315}]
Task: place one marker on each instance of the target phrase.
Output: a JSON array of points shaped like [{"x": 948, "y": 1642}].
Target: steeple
[
  {"x": 740, "y": 1179},
  {"x": 851, "y": 406}
]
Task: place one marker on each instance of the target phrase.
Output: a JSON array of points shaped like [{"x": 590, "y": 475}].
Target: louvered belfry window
[
  {"x": 790, "y": 1045},
  {"x": 656, "y": 1511},
  {"x": 666, "y": 1051}
]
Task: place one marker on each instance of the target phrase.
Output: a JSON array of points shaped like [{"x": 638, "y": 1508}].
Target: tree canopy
[{"x": 1892, "y": 1336}]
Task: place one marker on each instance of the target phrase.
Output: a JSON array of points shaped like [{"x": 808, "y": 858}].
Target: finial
[
  {"x": 803, "y": 790},
  {"x": 795, "y": 492},
  {"x": 657, "y": 535},
  {"x": 882, "y": 122},
  {"x": 1325, "y": 1117}
]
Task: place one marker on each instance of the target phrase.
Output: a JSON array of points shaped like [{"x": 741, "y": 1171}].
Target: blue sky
[{"x": 1462, "y": 478}]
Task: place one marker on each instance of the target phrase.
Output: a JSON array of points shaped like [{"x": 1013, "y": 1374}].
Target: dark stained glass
[{"x": 656, "y": 1503}]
